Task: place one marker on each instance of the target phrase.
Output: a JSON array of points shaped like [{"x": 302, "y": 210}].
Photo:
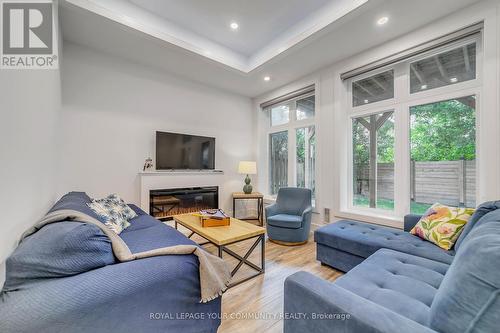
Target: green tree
[
  {"x": 444, "y": 131},
  {"x": 385, "y": 142}
]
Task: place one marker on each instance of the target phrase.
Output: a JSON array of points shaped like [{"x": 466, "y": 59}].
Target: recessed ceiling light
[
  {"x": 383, "y": 20},
  {"x": 423, "y": 87},
  {"x": 267, "y": 78},
  {"x": 453, "y": 80},
  {"x": 366, "y": 101},
  {"x": 234, "y": 25}
]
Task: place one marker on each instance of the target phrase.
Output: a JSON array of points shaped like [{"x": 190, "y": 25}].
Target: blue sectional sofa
[
  {"x": 64, "y": 278},
  {"x": 396, "y": 282}
]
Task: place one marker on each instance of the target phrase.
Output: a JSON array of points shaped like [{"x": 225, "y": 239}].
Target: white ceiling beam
[
  {"x": 466, "y": 58},
  {"x": 366, "y": 90},
  {"x": 417, "y": 73},
  {"x": 441, "y": 68},
  {"x": 379, "y": 84}
]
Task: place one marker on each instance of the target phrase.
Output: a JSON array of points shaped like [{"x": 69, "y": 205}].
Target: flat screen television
[{"x": 176, "y": 151}]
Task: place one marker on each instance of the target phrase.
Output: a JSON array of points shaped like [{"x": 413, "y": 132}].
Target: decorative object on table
[
  {"x": 213, "y": 218},
  {"x": 148, "y": 164},
  {"x": 253, "y": 196},
  {"x": 442, "y": 225},
  {"x": 288, "y": 221},
  {"x": 247, "y": 168}
]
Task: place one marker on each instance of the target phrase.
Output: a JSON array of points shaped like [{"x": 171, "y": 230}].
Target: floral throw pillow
[
  {"x": 114, "y": 211},
  {"x": 442, "y": 225}
]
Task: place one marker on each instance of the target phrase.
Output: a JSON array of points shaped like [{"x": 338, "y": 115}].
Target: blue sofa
[
  {"x": 398, "y": 283},
  {"x": 64, "y": 278}
]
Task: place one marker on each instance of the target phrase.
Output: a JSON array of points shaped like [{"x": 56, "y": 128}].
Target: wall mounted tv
[{"x": 184, "y": 152}]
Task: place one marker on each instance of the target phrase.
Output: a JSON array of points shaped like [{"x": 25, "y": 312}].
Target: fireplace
[{"x": 163, "y": 204}]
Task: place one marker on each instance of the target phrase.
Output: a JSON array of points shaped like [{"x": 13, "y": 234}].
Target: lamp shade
[{"x": 247, "y": 168}]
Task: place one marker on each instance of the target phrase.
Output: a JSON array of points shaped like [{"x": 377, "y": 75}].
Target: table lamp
[{"x": 248, "y": 168}]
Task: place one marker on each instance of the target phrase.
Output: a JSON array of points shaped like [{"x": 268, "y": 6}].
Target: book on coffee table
[{"x": 214, "y": 218}]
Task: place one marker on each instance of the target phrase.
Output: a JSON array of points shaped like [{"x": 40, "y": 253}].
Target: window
[
  {"x": 305, "y": 108},
  {"x": 419, "y": 133},
  {"x": 279, "y": 160},
  {"x": 292, "y": 143},
  {"x": 443, "y": 153},
  {"x": 450, "y": 67},
  {"x": 306, "y": 157},
  {"x": 373, "y": 161},
  {"x": 280, "y": 115},
  {"x": 373, "y": 89}
]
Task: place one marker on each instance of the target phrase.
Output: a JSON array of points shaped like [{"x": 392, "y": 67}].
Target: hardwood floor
[{"x": 263, "y": 296}]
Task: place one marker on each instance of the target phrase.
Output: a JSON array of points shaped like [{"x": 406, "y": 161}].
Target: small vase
[{"x": 247, "y": 189}]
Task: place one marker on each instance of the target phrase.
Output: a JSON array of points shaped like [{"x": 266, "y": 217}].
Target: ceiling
[
  {"x": 266, "y": 28},
  {"x": 285, "y": 39},
  {"x": 261, "y": 22}
]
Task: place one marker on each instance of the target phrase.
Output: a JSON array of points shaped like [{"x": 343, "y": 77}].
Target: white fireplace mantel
[
  {"x": 181, "y": 172},
  {"x": 157, "y": 180}
]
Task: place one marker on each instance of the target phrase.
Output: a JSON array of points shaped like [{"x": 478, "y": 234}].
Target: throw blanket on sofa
[{"x": 214, "y": 272}]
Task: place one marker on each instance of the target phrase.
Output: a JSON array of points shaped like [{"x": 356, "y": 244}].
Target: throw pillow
[
  {"x": 114, "y": 212},
  {"x": 115, "y": 200},
  {"x": 442, "y": 225}
]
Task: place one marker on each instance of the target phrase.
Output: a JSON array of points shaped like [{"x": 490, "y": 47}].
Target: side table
[{"x": 252, "y": 196}]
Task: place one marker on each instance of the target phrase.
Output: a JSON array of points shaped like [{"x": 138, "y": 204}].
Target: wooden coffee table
[{"x": 223, "y": 236}]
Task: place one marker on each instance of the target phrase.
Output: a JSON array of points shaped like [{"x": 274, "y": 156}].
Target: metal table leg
[{"x": 244, "y": 260}]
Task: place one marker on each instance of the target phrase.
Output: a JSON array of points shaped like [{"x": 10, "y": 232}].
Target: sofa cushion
[
  {"x": 75, "y": 201},
  {"x": 153, "y": 237},
  {"x": 285, "y": 221},
  {"x": 364, "y": 239},
  {"x": 442, "y": 225},
  {"x": 469, "y": 297},
  {"x": 113, "y": 212},
  {"x": 403, "y": 283},
  {"x": 58, "y": 250},
  {"x": 141, "y": 221},
  {"x": 119, "y": 204},
  {"x": 481, "y": 210}
]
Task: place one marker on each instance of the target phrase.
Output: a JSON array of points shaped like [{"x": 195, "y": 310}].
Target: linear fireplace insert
[{"x": 163, "y": 204}]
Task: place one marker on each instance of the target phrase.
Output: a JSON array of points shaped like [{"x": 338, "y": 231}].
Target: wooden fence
[{"x": 447, "y": 182}]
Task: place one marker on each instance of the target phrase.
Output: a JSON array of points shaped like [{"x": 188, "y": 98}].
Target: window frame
[
  {"x": 270, "y": 189},
  {"x": 401, "y": 103},
  {"x": 371, "y": 74},
  {"x": 291, "y": 128},
  {"x": 350, "y": 169},
  {"x": 270, "y": 110},
  {"x": 306, "y": 128}
]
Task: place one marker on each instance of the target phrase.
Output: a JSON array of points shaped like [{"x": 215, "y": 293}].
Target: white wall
[
  {"x": 30, "y": 102},
  {"x": 29, "y": 108},
  {"x": 332, "y": 116},
  {"x": 111, "y": 109}
]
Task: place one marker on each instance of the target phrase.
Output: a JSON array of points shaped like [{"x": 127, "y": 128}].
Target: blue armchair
[{"x": 288, "y": 221}]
